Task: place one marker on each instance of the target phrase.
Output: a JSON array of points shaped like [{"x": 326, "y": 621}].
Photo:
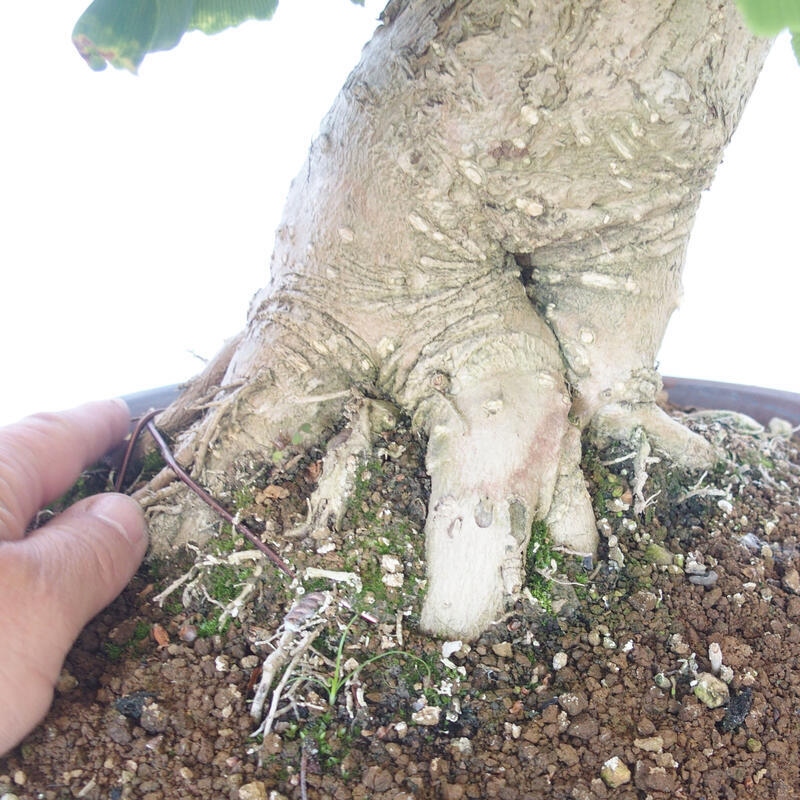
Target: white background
[{"x": 137, "y": 213}]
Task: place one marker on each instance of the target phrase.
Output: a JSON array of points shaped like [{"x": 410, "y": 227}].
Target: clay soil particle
[{"x": 137, "y": 719}]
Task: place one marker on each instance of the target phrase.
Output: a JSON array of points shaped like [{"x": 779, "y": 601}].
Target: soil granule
[{"x": 590, "y": 697}]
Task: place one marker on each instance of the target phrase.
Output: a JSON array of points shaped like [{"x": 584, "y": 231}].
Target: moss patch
[{"x": 542, "y": 563}]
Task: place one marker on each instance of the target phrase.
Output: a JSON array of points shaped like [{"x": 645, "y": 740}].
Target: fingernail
[{"x": 122, "y": 404}]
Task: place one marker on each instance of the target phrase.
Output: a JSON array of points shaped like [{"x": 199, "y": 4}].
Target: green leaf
[
  {"x": 173, "y": 21},
  {"x": 111, "y": 32},
  {"x": 796, "y": 44},
  {"x": 123, "y": 32},
  {"x": 213, "y": 16},
  {"x": 770, "y": 17}
]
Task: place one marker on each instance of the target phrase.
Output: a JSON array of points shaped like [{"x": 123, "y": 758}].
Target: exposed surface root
[
  {"x": 571, "y": 520},
  {"x": 194, "y": 587},
  {"x": 493, "y": 456},
  {"x": 502, "y": 456},
  {"x": 620, "y": 422},
  {"x": 200, "y": 390},
  {"x": 346, "y": 452}
]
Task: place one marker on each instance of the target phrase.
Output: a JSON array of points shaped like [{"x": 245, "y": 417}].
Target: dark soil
[{"x": 146, "y": 710}]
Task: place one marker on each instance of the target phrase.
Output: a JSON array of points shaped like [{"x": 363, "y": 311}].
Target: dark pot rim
[{"x": 759, "y": 403}]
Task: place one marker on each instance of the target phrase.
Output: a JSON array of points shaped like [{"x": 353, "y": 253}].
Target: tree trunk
[{"x": 489, "y": 231}]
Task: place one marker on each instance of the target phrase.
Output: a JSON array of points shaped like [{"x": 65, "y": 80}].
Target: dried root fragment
[
  {"x": 300, "y": 627},
  {"x": 305, "y": 609},
  {"x": 641, "y": 460}
]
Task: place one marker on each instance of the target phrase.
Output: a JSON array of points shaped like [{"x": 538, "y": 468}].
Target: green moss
[
  {"x": 156, "y": 568},
  {"x": 210, "y": 625},
  {"x": 92, "y": 481},
  {"x": 228, "y": 540},
  {"x": 134, "y": 647},
  {"x": 541, "y": 558},
  {"x": 372, "y": 576},
  {"x": 152, "y": 464},
  {"x": 224, "y": 582},
  {"x": 359, "y": 507},
  {"x": 113, "y": 651},
  {"x": 379, "y": 534},
  {"x": 316, "y": 585},
  {"x": 173, "y": 606},
  {"x": 243, "y": 498},
  {"x": 141, "y": 631}
]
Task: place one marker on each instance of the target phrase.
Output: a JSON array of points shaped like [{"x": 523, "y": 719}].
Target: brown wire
[
  {"x": 134, "y": 437},
  {"x": 146, "y": 421}
]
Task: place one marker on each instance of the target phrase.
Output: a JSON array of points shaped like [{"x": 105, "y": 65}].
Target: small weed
[
  {"x": 299, "y": 439},
  {"x": 300, "y": 435},
  {"x": 755, "y": 458},
  {"x": 333, "y": 684},
  {"x": 330, "y": 750},
  {"x": 278, "y": 457}
]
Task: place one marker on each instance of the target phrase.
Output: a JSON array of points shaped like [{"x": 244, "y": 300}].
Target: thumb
[
  {"x": 51, "y": 584},
  {"x": 80, "y": 561},
  {"x": 86, "y": 556}
]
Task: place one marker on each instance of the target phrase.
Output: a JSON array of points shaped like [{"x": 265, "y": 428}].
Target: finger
[
  {"x": 54, "y": 582},
  {"x": 81, "y": 560},
  {"x": 42, "y": 455}
]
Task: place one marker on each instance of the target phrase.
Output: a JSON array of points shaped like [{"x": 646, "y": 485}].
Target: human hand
[{"x": 53, "y": 581}]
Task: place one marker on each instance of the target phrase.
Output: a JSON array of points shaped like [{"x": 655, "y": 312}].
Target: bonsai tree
[{"x": 488, "y": 232}]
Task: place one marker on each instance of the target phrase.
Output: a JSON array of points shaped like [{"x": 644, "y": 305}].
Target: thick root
[
  {"x": 472, "y": 566},
  {"x": 619, "y": 422},
  {"x": 274, "y": 393},
  {"x": 493, "y": 456},
  {"x": 571, "y": 521}
]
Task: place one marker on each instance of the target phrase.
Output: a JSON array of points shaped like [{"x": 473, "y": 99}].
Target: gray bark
[{"x": 489, "y": 230}]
